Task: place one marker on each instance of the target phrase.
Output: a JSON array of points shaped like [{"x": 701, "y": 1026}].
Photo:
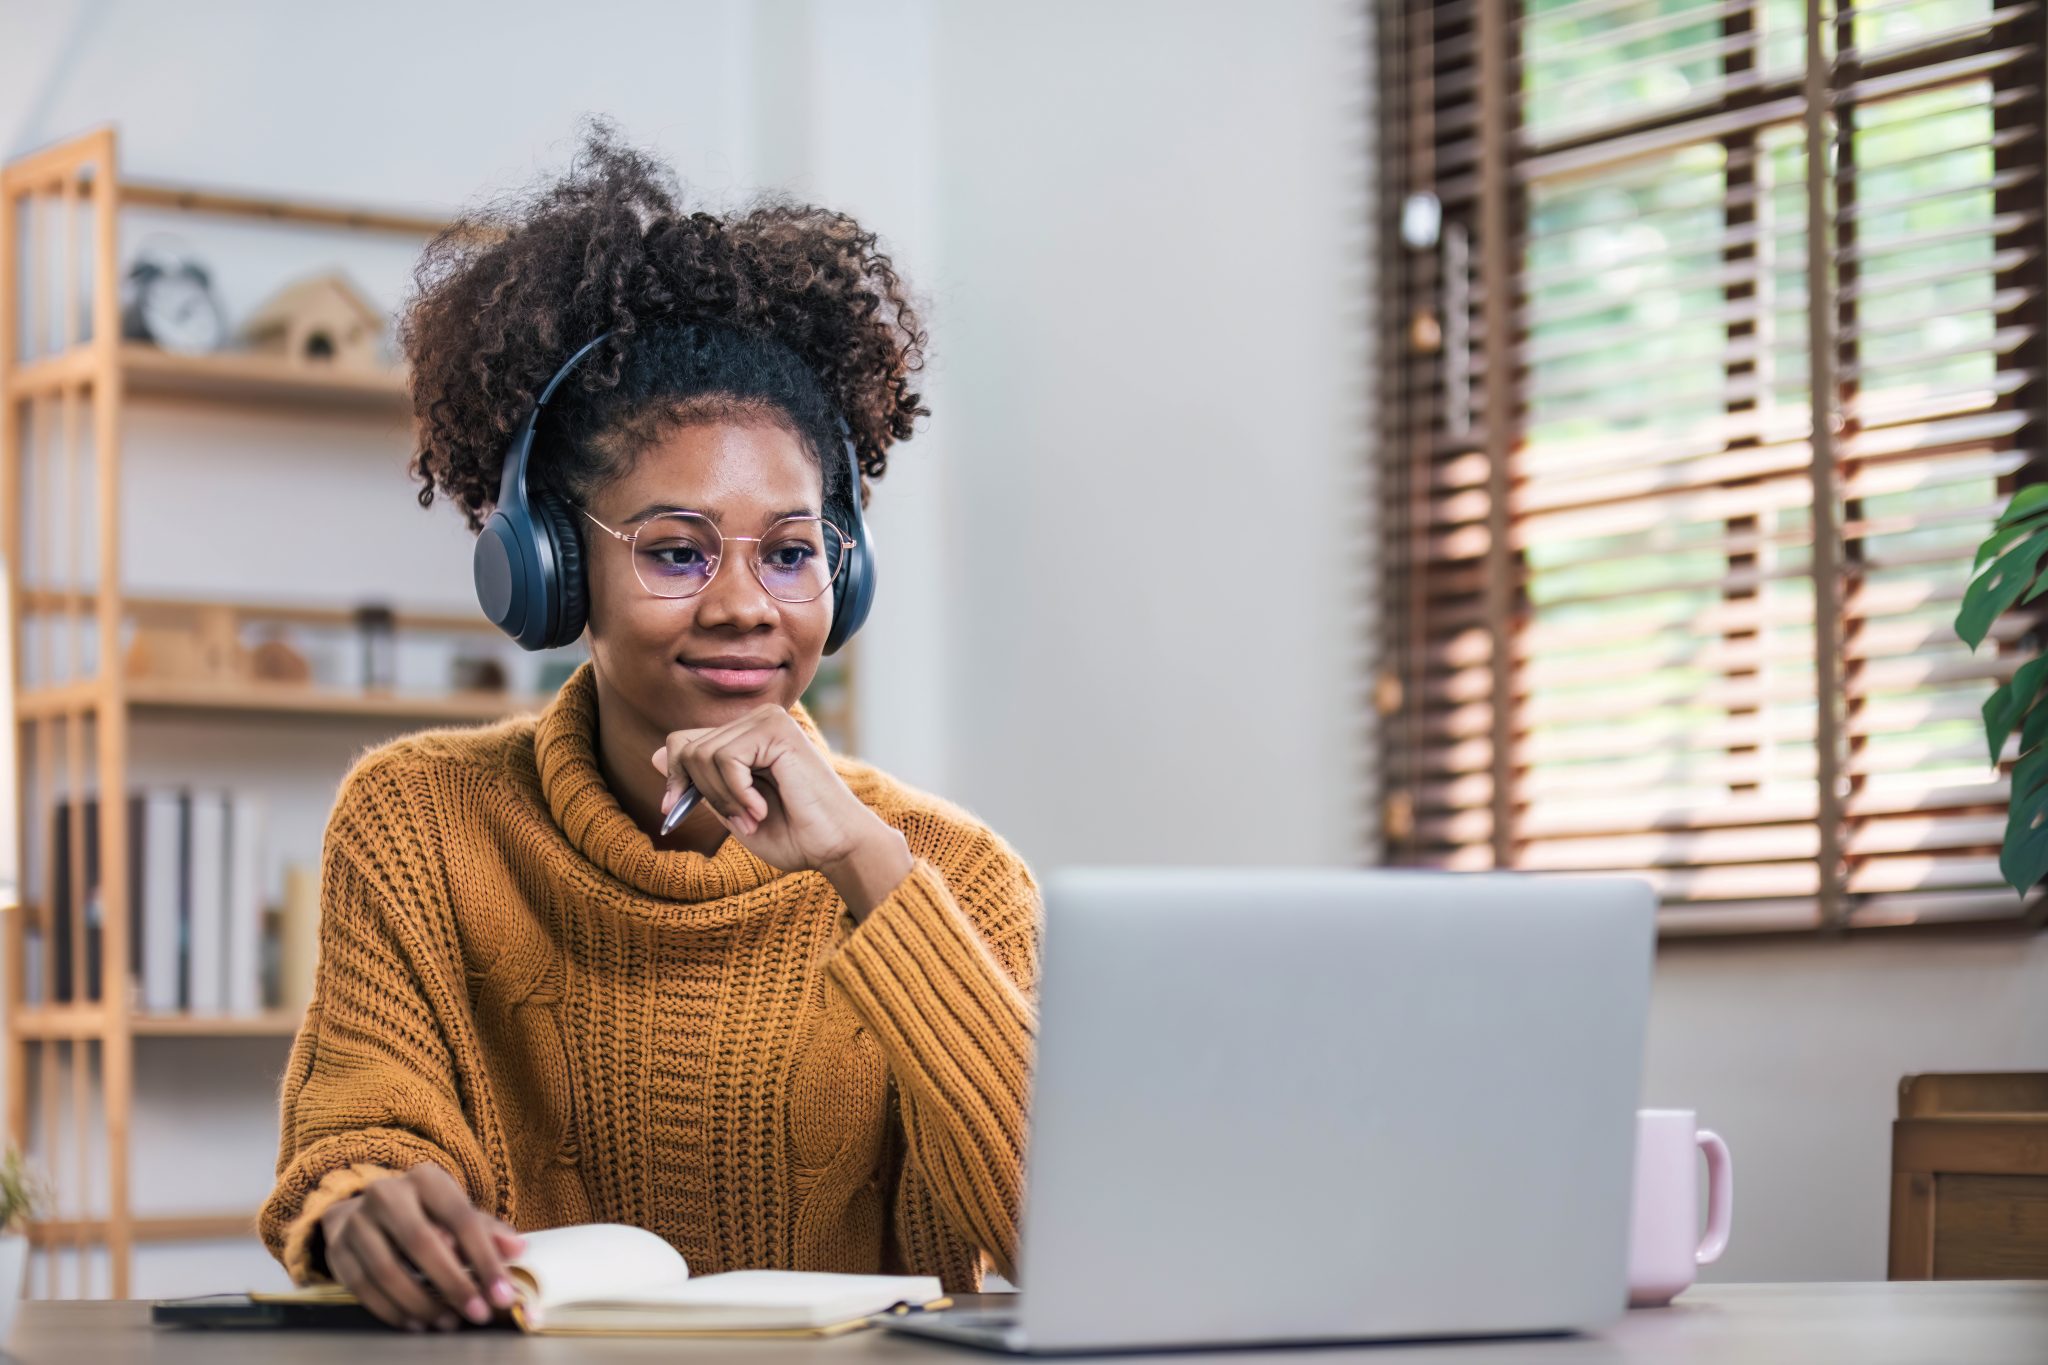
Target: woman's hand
[
  {"x": 420, "y": 1220},
  {"x": 768, "y": 784}
]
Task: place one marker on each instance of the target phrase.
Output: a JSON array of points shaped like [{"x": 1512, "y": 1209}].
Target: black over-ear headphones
[{"x": 529, "y": 556}]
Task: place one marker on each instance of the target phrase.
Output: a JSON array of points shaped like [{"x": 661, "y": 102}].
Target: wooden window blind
[{"x": 1720, "y": 348}]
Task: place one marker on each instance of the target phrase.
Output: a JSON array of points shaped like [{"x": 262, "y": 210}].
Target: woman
[{"x": 795, "y": 1031}]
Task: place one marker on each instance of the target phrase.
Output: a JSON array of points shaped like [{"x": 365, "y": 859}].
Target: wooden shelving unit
[
  {"x": 62, "y": 205},
  {"x": 59, "y": 211}
]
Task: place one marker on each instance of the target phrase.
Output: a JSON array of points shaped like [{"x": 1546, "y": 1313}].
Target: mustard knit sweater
[{"x": 515, "y": 984}]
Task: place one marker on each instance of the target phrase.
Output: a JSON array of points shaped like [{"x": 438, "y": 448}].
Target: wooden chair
[{"x": 1970, "y": 1177}]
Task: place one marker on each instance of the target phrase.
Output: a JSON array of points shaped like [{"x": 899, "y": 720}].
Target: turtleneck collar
[{"x": 565, "y": 752}]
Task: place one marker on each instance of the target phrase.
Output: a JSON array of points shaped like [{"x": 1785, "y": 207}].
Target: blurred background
[{"x": 1239, "y": 269}]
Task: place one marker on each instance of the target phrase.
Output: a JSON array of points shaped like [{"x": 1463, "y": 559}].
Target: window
[{"x": 1720, "y": 351}]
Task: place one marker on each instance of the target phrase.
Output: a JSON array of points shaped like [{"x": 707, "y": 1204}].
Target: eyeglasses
[{"x": 677, "y": 554}]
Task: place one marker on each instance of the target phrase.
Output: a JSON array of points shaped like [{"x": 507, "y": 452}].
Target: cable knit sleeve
[
  {"x": 943, "y": 972},
  {"x": 371, "y": 1086}
]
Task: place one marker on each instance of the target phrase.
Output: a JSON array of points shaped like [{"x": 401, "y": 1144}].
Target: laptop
[{"x": 1280, "y": 1106}]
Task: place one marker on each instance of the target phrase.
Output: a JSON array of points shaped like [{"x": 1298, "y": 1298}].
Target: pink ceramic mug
[{"x": 1666, "y": 1248}]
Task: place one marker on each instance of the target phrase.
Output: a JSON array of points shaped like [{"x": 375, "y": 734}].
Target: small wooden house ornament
[
  {"x": 321, "y": 320},
  {"x": 206, "y": 647}
]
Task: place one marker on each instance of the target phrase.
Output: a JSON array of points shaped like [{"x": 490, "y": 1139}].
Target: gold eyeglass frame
[{"x": 846, "y": 544}]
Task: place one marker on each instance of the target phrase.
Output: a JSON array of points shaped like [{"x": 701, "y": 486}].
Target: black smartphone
[{"x": 239, "y": 1310}]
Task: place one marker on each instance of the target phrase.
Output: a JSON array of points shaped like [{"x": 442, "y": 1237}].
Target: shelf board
[
  {"x": 59, "y": 1021},
  {"x": 44, "y": 1022},
  {"x": 155, "y": 1227},
  {"x": 279, "y": 209},
  {"x": 54, "y": 601},
  {"x": 223, "y": 376},
  {"x": 269, "y": 1024},
  {"x": 304, "y": 699},
  {"x": 280, "y": 699}
]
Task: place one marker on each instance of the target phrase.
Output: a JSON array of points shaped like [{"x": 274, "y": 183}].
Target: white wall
[
  {"x": 1153, "y": 219},
  {"x": 1138, "y": 227},
  {"x": 1793, "y": 1052}
]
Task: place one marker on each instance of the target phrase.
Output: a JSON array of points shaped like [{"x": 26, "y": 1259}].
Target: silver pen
[{"x": 680, "y": 808}]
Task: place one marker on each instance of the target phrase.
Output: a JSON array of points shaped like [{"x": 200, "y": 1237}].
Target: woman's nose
[{"x": 734, "y": 597}]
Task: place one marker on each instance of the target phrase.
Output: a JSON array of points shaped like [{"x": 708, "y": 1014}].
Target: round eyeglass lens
[
  {"x": 675, "y": 553},
  {"x": 799, "y": 557}
]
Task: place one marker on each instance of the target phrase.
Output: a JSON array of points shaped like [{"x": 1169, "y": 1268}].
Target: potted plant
[
  {"x": 21, "y": 1198},
  {"x": 2008, "y": 571}
]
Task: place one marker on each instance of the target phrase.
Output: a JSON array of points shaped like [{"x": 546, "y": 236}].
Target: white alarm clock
[{"x": 171, "y": 303}]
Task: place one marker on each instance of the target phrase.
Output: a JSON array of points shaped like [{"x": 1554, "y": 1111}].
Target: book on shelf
[
  {"x": 206, "y": 963},
  {"x": 166, "y": 854},
  {"x": 196, "y": 861},
  {"x": 70, "y": 901}
]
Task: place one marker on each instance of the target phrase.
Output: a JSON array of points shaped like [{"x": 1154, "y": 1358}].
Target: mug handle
[{"x": 1720, "y": 1197}]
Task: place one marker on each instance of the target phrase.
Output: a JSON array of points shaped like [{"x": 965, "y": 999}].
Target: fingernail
[
  {"x": 501, "y": 1293},
  {"x": 477, "y": 1309},
  {"x": 415, "y": 1325},
  {"x": 447, "y": 1322},
  {"x": 668, "y": 798}
]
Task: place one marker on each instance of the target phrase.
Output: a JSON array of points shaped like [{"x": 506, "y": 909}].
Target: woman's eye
[
  {"x": 789, "y": 556},
  {"x": 677, "y": 556}
]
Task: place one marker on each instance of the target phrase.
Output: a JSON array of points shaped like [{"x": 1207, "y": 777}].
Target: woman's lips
[{"x": 737, "y": 679}]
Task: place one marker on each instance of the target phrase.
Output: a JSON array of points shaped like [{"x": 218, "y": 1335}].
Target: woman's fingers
[
  {"x": 420, "y": 1235},
  {"x": 679, "y": 768},
  {"x": 720, "y": 763},
  {"x": 349, "y": 1271},
  {"x": 472, "y": 1230},
  {"x": 739, "y": 777},
  {"x": 510, "y": 1243},
  {"x": 700, "y": 762},
  {"x": 389, "y": 1276}
]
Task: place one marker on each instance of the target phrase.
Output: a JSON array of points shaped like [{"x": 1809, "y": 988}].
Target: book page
[
  {"x": 596, "y": 1260},
  {"x": 750, "y": 1298}
]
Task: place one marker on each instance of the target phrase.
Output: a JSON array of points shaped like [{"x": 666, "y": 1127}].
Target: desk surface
[{"x": 1952, "y": 1322}]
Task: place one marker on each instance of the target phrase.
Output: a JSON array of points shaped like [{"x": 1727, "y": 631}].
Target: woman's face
[{"x": 685, "y": 663}]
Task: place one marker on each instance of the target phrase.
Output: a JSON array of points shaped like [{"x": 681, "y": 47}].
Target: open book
[{"x": 607, "y": 1278}]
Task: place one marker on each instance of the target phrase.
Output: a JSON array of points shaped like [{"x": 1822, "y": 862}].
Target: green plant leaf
[
  {"x": 2032, "y": 498},
  {"x": 2024, "y": 859},
  {"x": 2033, "y": 732},
  {"x": 2005, "y": 536},
  {"x": 2013, "y": 700},
  {"x": 1998, "y": 587},
  {"x": 2028, "y": 775}
]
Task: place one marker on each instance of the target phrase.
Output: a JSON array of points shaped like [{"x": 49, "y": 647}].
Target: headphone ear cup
[
  {"x": 854, "y": 594},
  {"x": 572, "y": 598}
]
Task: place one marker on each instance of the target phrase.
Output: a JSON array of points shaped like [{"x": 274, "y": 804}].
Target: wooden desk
[{"x": 1952, "y": 1322}]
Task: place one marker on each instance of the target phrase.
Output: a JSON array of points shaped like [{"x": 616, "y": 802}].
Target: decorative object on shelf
[
  {"x": 167, "y": 299},
  {"x": 321, "y": 320},
  {"x": 209, "y": 647},
  {"x": 23, "y": 1197},
  {"x": 478, "y": 673},
  {"x": 274, "y": 660},
  {"x": 553, "y": 673},
  {"x": 379, "y": 628}
]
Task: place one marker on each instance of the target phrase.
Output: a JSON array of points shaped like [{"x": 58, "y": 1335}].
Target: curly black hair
[{"x": 783, "y": 311}]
